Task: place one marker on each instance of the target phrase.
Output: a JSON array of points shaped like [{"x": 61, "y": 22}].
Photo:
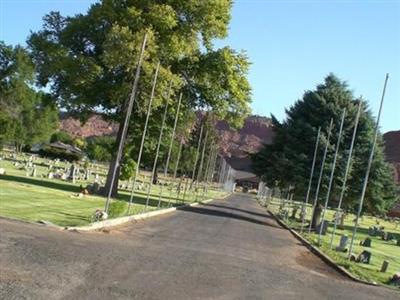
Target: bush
[
  {"x": 100, "y": 148},
  {"x": 117, "y": 208},
  {"x": 58, "y": 153},
  {"x": 62, "y": 136}
]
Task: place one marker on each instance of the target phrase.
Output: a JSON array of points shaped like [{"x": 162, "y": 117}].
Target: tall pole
[
  {"x": 199, "y": 173},
  {"x": 321, "y": 172},
  {"x": 158, "y": 148},
  {"x": 143, "y": 135},
  {"x": 126, "y": 121},
  {"x": 207, "y": 170},
  {"x": 170, "y": 147},
  {"x": 310, "y": 180},
  {"x": 371, "y": 157},
  {"x": 176, "y": 170},
  {"x": 197, "y": 154},
  {"x": 179, "y": 157},
  {"x": 346, "y": 171},
  {"x": 331, "y": 177}
]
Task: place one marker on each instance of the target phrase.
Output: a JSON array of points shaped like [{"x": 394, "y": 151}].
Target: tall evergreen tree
[{"x": 287, "y": 162}]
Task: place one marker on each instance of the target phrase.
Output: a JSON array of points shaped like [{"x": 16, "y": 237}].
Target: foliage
[
  {"x": 117, "y": 208},
  {"x": 287, "y": 161},
  {"x": 89, "y": 61},
  {"x": 128, "y": 169},
  {"x": 100, "y": 148},
  {"x": 63, "y": 137},
  {"x": 26, "y": 116}
]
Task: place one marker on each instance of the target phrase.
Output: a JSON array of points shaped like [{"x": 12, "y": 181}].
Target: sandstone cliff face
[
  {"x": 255, "y": 132},
  {"x": 94, "y": 126},
  {"x": 235, "y": 145}
]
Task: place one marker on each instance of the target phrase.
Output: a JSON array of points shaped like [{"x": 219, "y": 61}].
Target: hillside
[{"x": 235, "y": 145}]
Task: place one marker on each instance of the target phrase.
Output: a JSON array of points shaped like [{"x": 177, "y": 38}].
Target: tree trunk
[
  {"x": 155, "y": 176},
  {"x": 316, "y": 215},
  {"x": 107, "y": 187}
]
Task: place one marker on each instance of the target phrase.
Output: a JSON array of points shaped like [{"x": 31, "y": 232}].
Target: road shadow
[
  {"x": 239, "y": 209},
  {"x": 43, "y": 183},
  {"x": 224, "y": 214}
]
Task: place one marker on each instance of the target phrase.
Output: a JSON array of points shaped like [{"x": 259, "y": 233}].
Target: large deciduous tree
[
  {"x": 26, "y": 116},
  {"x": 287, "y": 162},
  {"x": 89, "y": 60}
]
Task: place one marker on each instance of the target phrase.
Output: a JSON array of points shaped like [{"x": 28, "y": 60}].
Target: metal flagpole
[
  {"x": 207, "y": 170},
  {"x": 346, "y": 171},
  {"x": 158, "y": 147},
  {"x": 176, "y": 171},
  {"x": 126, "y": 121},
  {"x": 310, "y": 181},
  {"x": 371, "y": 157},
  {"x": 332, "y": 174},
  {"x": 144, "y": 135},
  {"x": 170, "y": 146},
  {"x": 176, "y": 168},
  {"x": 199, "y": 173},
  {"x": 321, "y": 172},
  {"x": 197, "y": 155}
]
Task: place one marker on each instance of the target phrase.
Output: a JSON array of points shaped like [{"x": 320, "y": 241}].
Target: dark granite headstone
[
  {"x": 324, "y": 225},
  {"x": 385, "y": 266},
  {"x": 366, "y": 242},
  {"x": 364, "y": 257}
]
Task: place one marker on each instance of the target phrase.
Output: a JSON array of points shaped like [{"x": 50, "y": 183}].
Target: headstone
[
  {"x": 385, "y": 266},
  {"x": 2, "y": 171},
  {"x": 50, "y": 175},
  {"x": 72, "y": 173},
  {"x": 372, "y": 231},
  {"x": 395, "y": 280},
  {"x": 33, "y": 172},
  {"x": 364, "y": 257},
  {"x": 343, "y": 244},
  {"x": 64, "y": 176},
  {"x": 324, "y": 224},
  {"x": 366, "y": 242}
]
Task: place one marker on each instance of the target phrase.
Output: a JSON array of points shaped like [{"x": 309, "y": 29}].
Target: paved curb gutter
[
  {"x": 134, "y": 218},
  {"x": 320, "y": 254}
]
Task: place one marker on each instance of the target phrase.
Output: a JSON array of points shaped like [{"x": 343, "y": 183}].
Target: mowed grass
[
  {"x": 381, "y": 250},
  {"x": 35, "y": 198},
  {"x": 32, "y": 203}
]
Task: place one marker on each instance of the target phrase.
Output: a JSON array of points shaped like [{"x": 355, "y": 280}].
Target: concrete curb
[
  {"x": 320, "y": 254},
  {"x": 134, "y": 218}
]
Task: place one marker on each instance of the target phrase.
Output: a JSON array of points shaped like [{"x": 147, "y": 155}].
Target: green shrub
[
  {"x": 62, "y": 136},
  {"x": 117, "y": 208}
]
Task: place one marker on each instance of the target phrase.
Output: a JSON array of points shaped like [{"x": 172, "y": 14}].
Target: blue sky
[{"x": 292, "y": 45}]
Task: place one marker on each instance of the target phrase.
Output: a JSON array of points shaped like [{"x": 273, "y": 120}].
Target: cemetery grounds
[
  {"x": 35, "y": 198},
  {"x": 381, "y": 250}
]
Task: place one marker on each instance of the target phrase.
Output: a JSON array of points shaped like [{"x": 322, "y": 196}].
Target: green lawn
[
  {"x": 381, "y": 250},
  {"x": 36, "y": 198}
]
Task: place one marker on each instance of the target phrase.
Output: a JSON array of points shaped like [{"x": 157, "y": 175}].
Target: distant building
[{"x": 66, "y": 147}]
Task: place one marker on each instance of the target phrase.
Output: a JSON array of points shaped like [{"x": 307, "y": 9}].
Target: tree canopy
[
  {"x": 287, "y": 162},
  {"x": 89, "y": 60},
  {"x": 26, "y": 115}
]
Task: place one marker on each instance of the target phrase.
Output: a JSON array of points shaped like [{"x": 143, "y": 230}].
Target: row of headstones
[{"x": 385, "y": 235}]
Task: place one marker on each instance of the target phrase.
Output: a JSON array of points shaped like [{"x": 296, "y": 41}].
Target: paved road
[{"x": 229, "y": 249}]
